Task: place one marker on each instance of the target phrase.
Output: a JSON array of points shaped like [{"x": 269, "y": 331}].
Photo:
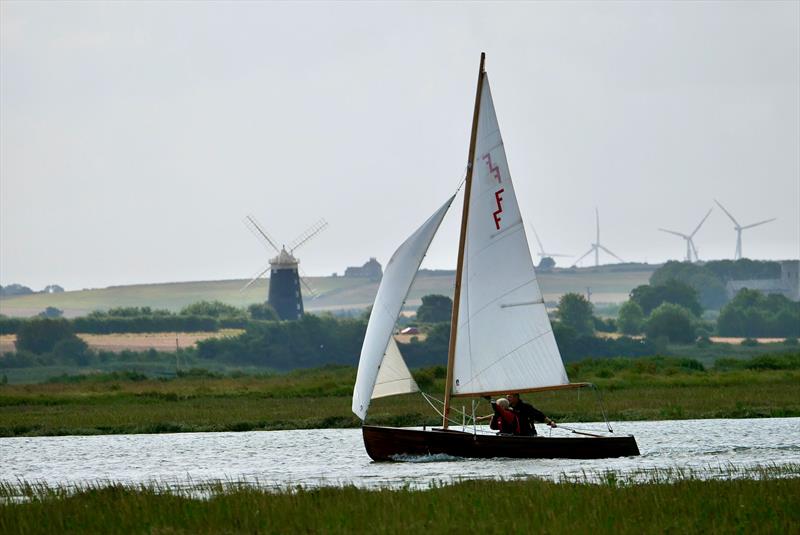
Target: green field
[
  {"x": 609, "y": 284},
  {"x": 765, "y": 501},
  {"x": 633, "y": 389}
]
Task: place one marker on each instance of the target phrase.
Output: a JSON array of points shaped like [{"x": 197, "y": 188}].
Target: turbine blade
[
  {"x": 590, "y": 251},
  {"x": 259, "y": 232},
  {"x": 701, "y": 223},
  {"x": 541, "y": 247},
  {"x": 727, "y": 212},
  {"x": 254, "y": 279},
  {"x": 556, "y": 254},
  {"x": 612, "y": 254},
  {"x": 759, "y": 223},
  {"x": 684, "y": 236}
]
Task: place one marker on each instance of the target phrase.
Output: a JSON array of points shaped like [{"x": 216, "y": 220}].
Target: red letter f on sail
[{"x": 499, "y": 210}]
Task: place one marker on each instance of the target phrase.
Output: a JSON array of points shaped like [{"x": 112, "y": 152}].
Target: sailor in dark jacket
[{"x": 527, "y": 414}]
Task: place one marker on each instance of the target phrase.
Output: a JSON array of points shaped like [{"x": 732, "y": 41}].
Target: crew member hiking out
[{"x": 527, "y": 414}]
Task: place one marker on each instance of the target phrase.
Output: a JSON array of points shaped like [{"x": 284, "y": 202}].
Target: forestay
[
  {"x": 394, "y": 378},
  {"x": 504, "y": 340},
  {"x": 394, "y": 287}
]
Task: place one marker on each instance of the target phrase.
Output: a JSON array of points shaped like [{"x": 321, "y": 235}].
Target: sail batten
[{"x": 510, "y": 292}]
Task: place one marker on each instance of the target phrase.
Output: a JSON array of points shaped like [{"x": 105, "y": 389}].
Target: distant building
[
  {"x": 787, "y": 285},
  {"x": 53, "y": 289},
  {"x": 371, "y": 270}
]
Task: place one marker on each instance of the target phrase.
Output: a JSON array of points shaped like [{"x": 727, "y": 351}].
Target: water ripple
[{"x": 334, "y": 457}]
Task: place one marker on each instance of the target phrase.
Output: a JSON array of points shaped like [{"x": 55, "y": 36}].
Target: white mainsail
[
  {"x": 394, "y": 377},
  {"x": 396, "y": 282},
  {"x": 504, "y": 341}
]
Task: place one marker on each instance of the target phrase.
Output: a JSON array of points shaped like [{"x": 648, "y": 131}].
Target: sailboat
[{"x": 501, "y": 340}]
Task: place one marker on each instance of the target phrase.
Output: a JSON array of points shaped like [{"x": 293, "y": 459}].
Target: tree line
[
  {"x": 709, "y": 279},
  {"x": 309, "y": 342},
  {"x": 749, "y": 314},
  {"x": 668, "y": 311},
  {"x": 203, "y": 316}
]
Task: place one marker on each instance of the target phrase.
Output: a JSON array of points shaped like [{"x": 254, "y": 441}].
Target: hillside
[{"x": 609, "y": 284}]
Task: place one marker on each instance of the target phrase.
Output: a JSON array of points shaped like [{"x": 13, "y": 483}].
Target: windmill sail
[
  {"x": 394, "y": 378},
  {"x": 396, "y": 281},
  {"x": 504, "y": 340}
]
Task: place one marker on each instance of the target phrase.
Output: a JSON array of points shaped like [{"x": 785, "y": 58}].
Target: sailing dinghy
[{"x": 501, "y": 340}]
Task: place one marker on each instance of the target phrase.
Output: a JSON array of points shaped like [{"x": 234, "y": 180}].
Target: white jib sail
[
  {"x": 504, "y": 340},
  {"x": 392, "y": 292},
  {"x": 394, "y": 377}
]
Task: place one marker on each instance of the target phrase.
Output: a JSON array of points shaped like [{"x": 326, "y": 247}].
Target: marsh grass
[
  {"x": 755, "y": 500},
  {"x": 633, "y": 389}
]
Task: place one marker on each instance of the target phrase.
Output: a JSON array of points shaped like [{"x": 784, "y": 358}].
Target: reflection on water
[{"x": 326, "y": 457}]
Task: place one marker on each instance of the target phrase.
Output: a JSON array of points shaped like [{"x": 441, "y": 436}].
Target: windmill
[
  {"x": 596, "y": 246},
  {"x": 690, "y": 248},
  {"x": 739, "y": 228},
  {"x": 284, "y": 279},
  {"x": 542, "y": 253}
]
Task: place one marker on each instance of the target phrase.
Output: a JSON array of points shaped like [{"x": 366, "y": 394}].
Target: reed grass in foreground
[{"x": 770, "y": 503}]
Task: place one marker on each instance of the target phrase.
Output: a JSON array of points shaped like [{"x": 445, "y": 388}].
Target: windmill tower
[
  {"x": 285, "y": 295},
  {"x": 596, "y": 246},
  {"x": 739, "y": 228},
  {"x": 690, "y": 248}
]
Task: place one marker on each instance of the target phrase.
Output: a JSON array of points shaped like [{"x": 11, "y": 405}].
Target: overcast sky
[{"x": 135, "y": 137}]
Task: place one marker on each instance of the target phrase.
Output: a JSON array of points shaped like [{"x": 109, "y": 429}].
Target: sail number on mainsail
[{"x": 495, "y": 170}]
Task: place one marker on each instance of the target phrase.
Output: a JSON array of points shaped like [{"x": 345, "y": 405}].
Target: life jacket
[{"x": 505, "y": 421}]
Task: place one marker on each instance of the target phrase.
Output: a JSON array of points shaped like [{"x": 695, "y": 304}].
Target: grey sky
[{"x": 135, "y": 137}]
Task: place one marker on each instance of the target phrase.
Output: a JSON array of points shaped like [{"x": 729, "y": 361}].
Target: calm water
[{"x": 336, "y": 456}]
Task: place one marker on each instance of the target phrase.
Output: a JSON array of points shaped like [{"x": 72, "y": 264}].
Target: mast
[{"x": 451, "y": 352}]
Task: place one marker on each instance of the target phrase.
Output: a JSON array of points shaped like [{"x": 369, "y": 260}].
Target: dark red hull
[{"x": 386, "y": 443}]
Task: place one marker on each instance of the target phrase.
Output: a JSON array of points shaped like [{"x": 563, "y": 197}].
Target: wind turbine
[
  {"x": 739, "y": 228},
  {"x": 596, "y": 246},
  {"x": 542, "y": 252},
  {"x": 690, "y": 248}
]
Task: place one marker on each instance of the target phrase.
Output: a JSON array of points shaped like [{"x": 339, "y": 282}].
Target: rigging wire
[
  {"x": 577, "y": 430},
  {"x": 602, "y": 406},
  {"x": 430, "y": 399},
  {"x": 463, "y": 180}
]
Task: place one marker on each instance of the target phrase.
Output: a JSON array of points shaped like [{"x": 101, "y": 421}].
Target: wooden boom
[{"x": 524, "y": 390}]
